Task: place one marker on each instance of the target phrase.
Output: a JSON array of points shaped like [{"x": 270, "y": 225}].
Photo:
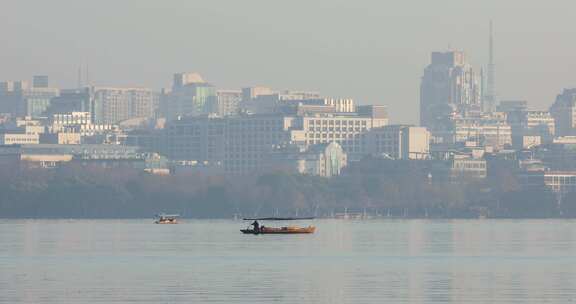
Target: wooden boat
[
  {"x": 277, "y": 218},
  {"x": 167, "y": 219},
  {"x": 281, "y": 230}
]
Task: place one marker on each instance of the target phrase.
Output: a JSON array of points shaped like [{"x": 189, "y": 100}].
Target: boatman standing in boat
[{"x": 256, "y": 226}]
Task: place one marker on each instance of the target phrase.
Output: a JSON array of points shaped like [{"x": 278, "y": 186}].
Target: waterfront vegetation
[{"x": 92, "y": 192}]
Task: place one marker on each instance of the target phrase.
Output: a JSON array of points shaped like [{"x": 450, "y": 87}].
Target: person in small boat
[{"x": 256, "y": 226}]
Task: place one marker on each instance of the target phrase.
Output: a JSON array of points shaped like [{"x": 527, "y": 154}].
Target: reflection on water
[{"x": 416, "y": 261}]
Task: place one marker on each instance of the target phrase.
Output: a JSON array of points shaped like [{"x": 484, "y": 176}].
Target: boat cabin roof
[
  {"x": 168, "y": 215},
  {"x": 278, "y": 218}
]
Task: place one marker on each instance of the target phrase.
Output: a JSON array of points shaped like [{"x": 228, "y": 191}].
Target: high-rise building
[
  {"x": 190, "y": 96},
  {"x": 113, "y": 105},
  {"x": 449, "y": 85},
  {"x": 19, "y": 99},
  {"x": 37, "y": 100},
  {"x": 564, "y": 112},
  {"x": 40, "y": 81},
  {"x": 71, "y": 100}
]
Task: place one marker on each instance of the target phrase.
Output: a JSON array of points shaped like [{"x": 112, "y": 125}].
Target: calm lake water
[{"x": 374, "y": 261}]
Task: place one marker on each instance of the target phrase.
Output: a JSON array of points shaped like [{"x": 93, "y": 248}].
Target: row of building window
[
  {"x": 337, "y": 129},
  {"x": 335, "y": 135},
  {"x": 20, "y": 140},
  {"x": 564, "y": 180},
  {"x": 337, "y": 122}
]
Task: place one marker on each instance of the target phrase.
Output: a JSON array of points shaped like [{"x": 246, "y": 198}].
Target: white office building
[{"x": 399, "y": 142}]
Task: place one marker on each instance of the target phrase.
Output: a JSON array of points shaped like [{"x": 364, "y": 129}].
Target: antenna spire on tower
[
  {"x": 490, "y": 98},
  {"x": 87, "y": 75},
  {"x": 80, "y": 77}
]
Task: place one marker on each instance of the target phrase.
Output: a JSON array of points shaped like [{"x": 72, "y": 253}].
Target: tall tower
[
  {"x": 490, "y": 96},
  {"x": 449, "y": 85}
]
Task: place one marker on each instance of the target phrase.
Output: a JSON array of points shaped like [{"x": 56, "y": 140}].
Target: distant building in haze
[
  {"x": 398, "y": 142},
  {"x": 79, "y": 122},
  {"x": 71, "y": 100},
  {"x": 190, "y": 96},
  {"x": 241, "y": 143},
  {"x": 228, "y": 102},
  {"x": 491, "y": 131},
  {"x": 20, "y": 99},
  {"x": 325, "y": 160},
  {"x": 114, "y": 105},
  {"x": 512, "y": 106},
  {"x": 449, "y": 85},
  {"x": 529, "y": 128},
  {"x": 40, "y": 81},
  {"x": 564, "y": 112},
  {"x": 250, "y": 93},
  {"x": 14, "y": 138},
  {"x": 557, "y": 181}
]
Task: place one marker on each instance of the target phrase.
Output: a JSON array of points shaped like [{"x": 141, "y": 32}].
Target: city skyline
[
  {"x": 198, "y": 124},
  {"x": 326, "y": 151},
  {"x": 359, "y": 55}
]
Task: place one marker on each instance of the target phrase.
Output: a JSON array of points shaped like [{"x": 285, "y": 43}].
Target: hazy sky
[{"x": 373, "y": 51}]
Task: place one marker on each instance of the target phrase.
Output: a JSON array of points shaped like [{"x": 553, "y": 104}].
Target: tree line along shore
[{"x": 94, "y": 192}]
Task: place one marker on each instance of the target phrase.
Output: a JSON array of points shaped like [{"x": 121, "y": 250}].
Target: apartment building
[{"x": 113, "y": 105}]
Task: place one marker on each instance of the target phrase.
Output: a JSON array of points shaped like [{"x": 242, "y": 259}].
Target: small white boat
[{"x": 167, "y": 219}]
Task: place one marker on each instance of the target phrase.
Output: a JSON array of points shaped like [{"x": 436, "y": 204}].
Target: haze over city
[
  {"x": 372, "y": 51},
  {"x": 257, "y": 151}
]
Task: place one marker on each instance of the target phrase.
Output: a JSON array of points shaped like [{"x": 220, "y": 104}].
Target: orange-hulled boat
[{"x": 281, "y": 230}]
